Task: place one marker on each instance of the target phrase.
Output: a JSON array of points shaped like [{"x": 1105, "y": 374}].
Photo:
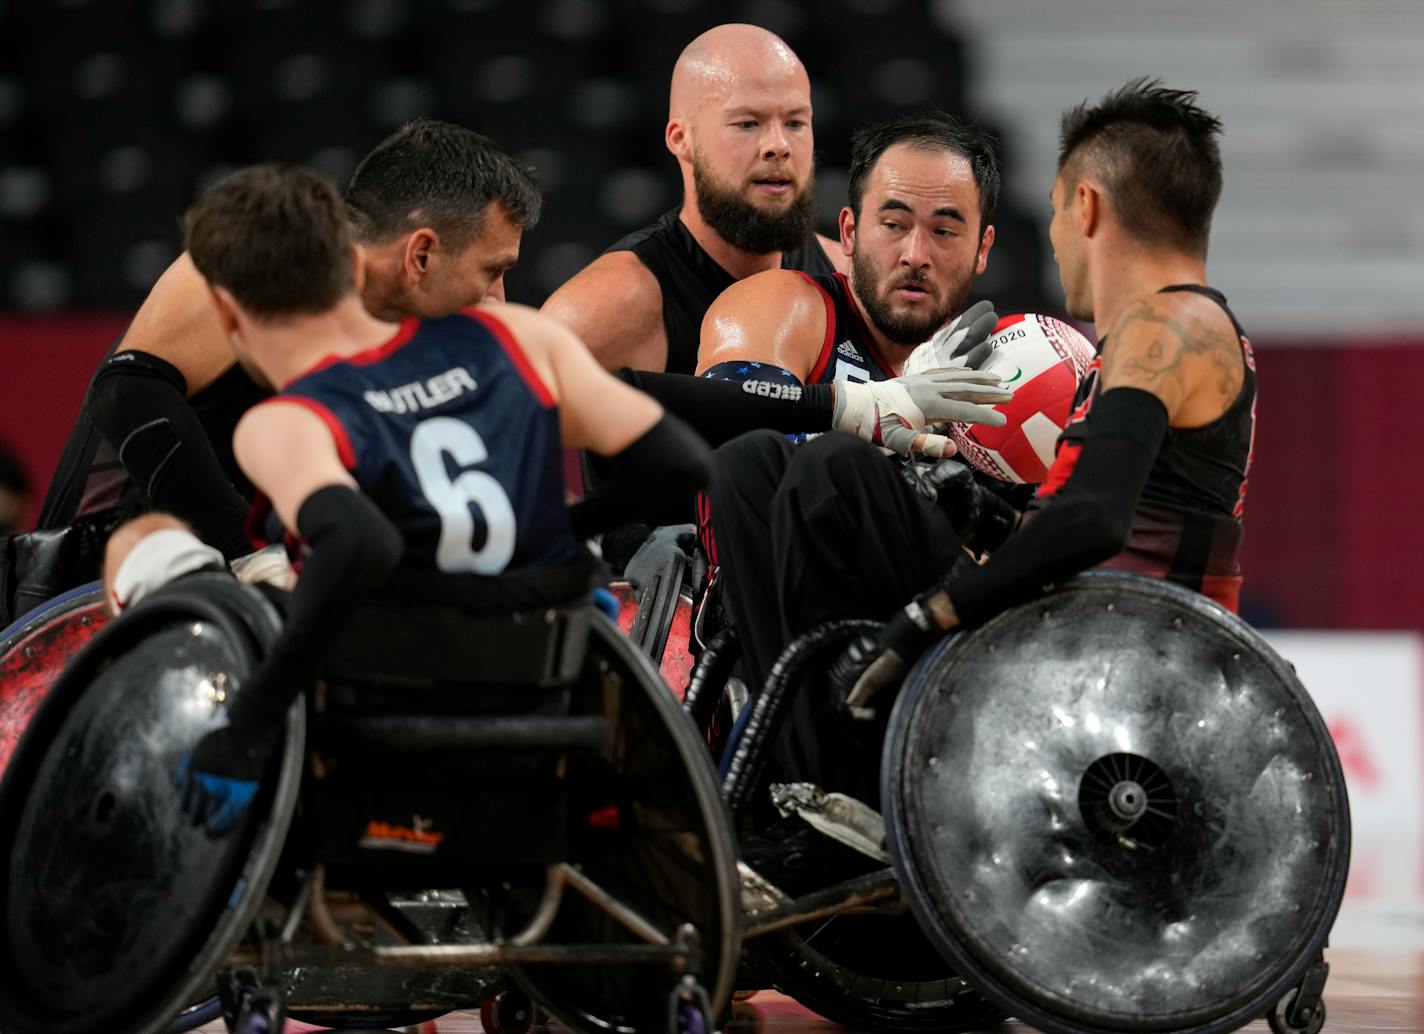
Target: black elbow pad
[
  {"x": 138, "y": 404},
  {"x": 368, "y": 543}
]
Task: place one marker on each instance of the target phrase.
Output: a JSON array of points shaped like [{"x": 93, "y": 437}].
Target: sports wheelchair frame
[
  {"x": 361, "y": 886},
  {"x": 1111, "y": 809}
]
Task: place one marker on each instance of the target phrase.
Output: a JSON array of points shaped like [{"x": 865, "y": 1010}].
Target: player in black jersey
[
  {"x": 1150, "y": 475},
  {"x": 439, "y": 212},
  {"x": 917, "y": 230},
  {"x": 739, "y": 124},
  {"x": 429, "y": 445}
]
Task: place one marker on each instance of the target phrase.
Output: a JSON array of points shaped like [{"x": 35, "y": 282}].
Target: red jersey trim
[
  {"x": 1064, "y": 464},
  {"x": 257, "y": 517},
  {"x": 823, "y": 360},
  {"x": 862, "y": 332},
  {"x": 406, "y": 331},
  {"x": 334, "y": 425},
  {"x": 516, "y": 355}
]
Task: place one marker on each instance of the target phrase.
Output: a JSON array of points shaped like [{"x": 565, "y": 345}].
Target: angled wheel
[
  {"x": 1116, "y": 809},
  {"x": 648, "y": 825},
  {"x": 35, "y": 649},
  {"x": 114, "y": 910}
]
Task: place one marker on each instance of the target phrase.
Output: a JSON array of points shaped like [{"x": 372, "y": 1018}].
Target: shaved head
[
  {"x": 739, "y": 124},
  {"x": 713, "y": 65}
]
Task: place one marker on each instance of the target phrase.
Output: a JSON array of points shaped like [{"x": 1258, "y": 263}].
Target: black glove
[
  {"x": 872, "y": 664},
  {"x": 221, "y": 775},
  {"x": 950, "y": 485},
  {"x": 660, "y": 544}
]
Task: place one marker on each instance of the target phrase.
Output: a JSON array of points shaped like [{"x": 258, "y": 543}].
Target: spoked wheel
[
  {"x": 871, "y": 973},
  {"x": 1116, "y": 809},
  {"x": 647, "y": 824}
]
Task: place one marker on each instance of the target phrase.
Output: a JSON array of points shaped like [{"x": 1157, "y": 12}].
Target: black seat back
[{"x": 441, "y": 735}]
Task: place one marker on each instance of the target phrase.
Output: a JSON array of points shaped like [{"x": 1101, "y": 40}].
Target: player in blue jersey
[
  {"x": 439, "y": 212},
  {"x": 430, "y": 444}
]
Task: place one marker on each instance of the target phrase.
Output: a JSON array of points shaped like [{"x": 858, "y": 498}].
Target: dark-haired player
[
  {"x": 438, "y": 211},
  {"x": 917, "y": 230},
  {"x": 431, "y": 445},
  {"x": 739, "y": 125},
  {"x": 1150, "y": 475}
]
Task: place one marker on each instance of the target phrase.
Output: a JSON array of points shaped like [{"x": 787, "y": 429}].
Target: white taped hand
[
  {"x": 963, "y": 342},
  {"x": 894, "y": 413},
  {"x": 269, "y": 565}
]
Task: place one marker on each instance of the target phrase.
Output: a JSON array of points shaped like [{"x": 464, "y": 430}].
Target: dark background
[{"x": 114, "y": 114}]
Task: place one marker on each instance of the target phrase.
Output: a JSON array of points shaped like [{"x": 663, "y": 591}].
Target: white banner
[{"x": 1369, "y": 686}]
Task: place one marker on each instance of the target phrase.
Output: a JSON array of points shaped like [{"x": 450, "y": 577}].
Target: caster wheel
[
  {"x": 1281, "y": 1025},
  {"x": 253, "y": 1023},
  {"x": 509, "y": 1012},
  {"x": 691, "y": 1019}
]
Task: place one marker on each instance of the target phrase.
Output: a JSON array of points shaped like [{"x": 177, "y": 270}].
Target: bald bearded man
[{"x": 739, "y": 125}]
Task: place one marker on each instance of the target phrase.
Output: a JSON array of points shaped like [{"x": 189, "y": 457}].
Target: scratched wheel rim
[{"x": 1116, "y": 809}]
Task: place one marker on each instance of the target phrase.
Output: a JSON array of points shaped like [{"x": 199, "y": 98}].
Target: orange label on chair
[{"x": 416, "y": 839}]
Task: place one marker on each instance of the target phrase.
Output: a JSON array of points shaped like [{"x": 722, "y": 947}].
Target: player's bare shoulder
[
  {"x": 177, "y": 323},
  {"x": 1181, "y": 347},
  {"x": 776, "y": 316},
  {"x": 615, "y": 306}
]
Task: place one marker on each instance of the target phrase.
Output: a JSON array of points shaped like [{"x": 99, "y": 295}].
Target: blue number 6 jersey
[{"x": 453, "y": 435}]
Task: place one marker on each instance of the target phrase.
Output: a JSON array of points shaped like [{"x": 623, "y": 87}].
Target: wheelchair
[
  {"x": 522, "y": 804},
  {"x": 35, "y": 648},
  {"x": 1111, "y": 809}
]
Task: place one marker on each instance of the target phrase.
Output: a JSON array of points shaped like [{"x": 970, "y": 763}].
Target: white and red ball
[{"x": 1043, "y": 360}]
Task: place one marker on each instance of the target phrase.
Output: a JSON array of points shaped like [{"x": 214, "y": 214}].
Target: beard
[
  {"x": 745, "y": 226},
  {"x": 903, "y": 328}
]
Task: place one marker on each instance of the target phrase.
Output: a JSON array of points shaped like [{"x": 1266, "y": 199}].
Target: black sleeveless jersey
[
  {"x": 1187, "y": 527},
  {"x": 848, "y": 352},
  {"x": 454, "y": 436},
  {"x": 90, "y": 482},
  {"x": 691, "y": 280}
]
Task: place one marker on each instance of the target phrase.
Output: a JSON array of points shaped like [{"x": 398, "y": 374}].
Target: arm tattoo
[{"x": 1172, "y": 336}]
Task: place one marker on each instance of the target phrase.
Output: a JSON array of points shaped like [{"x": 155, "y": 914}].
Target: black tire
[
  {"x": 1157, "y": 767},
  {"x": 671, "y": 856},
  {"x": 1280, "y": 1025}
]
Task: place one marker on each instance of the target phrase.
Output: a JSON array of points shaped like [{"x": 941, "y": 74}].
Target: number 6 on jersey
[{"x": 454, "y": 499}]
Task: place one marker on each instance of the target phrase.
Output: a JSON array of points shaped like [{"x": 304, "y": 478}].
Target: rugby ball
[{"x": 1043, "y": 360}]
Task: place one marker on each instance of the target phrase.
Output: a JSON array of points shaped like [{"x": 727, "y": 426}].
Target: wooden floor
[{"x": 1369, "y": 990}]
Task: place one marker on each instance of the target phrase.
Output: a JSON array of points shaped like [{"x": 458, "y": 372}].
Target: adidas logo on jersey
[
  {"x": 848, "y": 350},
  {"x": 418, "y": 395}
]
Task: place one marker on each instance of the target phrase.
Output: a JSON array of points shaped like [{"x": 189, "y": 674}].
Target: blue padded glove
[
  {"x": 219, "y": 778},
  {"x": 605, "y": 601}
]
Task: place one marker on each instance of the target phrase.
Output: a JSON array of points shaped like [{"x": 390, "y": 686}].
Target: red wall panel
[
  {"x": 45, "y": 365},
  {"x": 1333, "y": 514}
]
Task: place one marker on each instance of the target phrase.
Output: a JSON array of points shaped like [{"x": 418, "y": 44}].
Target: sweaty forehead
[
  {"x": 923, "y": 177},
  {"x": 752, "y": 76}
]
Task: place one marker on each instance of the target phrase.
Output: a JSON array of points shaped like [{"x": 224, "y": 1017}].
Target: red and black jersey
[
  {"x": 1187, "y": 527},
  {"x": 455, "y": 438}
]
